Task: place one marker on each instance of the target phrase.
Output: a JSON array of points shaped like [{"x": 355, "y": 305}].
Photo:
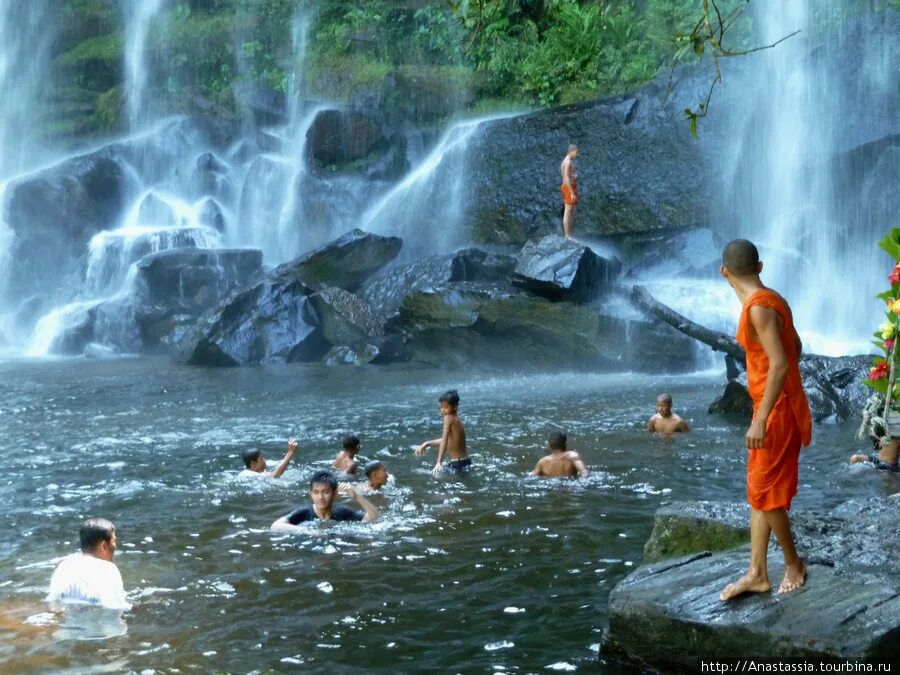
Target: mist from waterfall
[{"x": 794, "y": 126}]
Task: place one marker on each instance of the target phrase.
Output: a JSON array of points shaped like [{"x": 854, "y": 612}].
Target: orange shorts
[{"x": 569, "y": 196}]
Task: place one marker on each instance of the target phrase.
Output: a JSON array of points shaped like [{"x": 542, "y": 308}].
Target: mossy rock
[{"x": 683, "y": 528}]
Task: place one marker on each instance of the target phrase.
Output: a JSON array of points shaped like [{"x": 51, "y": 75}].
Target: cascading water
[
  {"x": 138, "y": 15},
  {"x": 796, "y": 194},
  {"x": 25, "y": 38}
]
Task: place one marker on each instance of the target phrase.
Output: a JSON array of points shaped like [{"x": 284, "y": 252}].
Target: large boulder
[
  {"x": 386, "y": 292},
  {"x": 346, "y": 262},
  {"x": 833, "y": 385},
  {"x": 271, "y": 321},
  {"x": 849, "y": 552},
  {"x": 346, "y": 319},
  {"x": 695, "y": 253},
  {"x": 472, "y": 322},
  {"x": 559, "y": 269},
  {"x": 341, "y": 136}
]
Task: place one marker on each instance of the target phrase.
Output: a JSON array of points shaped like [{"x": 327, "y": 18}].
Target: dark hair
[
  {"x": 325, "y": 477},
  {"x": 450, "y": 396},
  {"x": 740, "y": 257},
  {"x": 557, "y": 440},
  {"x": 372, "y": 466},
  {"x": 250, "y": 455},
  {"x": 350, "y": 441},
  {"x": 94, "y": 531}
]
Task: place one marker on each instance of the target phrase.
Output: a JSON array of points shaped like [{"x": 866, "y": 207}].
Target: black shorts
[
  {"x": 459, "y": 465},
  {"x": 881, "y": 466}
]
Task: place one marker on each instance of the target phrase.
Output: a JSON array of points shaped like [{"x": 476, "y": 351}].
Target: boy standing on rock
[
  {"x": 781, "y": 421},
  {"x": 569, "y": 189}
]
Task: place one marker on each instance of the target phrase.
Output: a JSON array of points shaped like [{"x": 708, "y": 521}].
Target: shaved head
[
  {"x": 664, "y": 398},
  {"x": 741, "y": 258}
]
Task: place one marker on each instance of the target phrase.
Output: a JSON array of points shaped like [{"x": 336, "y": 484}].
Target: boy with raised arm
[
  {"x": 255, "y": 462},
  {"x": 781, "y": 423},
  {"x": 346, "y": 458},
  {"x": 323, "y": 490},
  {"x": 453, "y": 437},
  {"x": 665, "y": 421},
  {"x": 560, "y": 463}
]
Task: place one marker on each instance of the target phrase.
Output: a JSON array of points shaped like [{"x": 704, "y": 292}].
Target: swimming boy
[
  {"x": 90, "y": 577},
  {"x": 781, "y": 422},
  {"x": 665, "y": 421},
  {"x": 560, "y": 463},
  {"x": 884, "y": 458},
  {"x": 255, "y": 462},
  {"x": 377, "y": 477},
  {"x": 323, "y": 490},
  {"x": 346, "y": 458},
  {"x": 453, "y": 437}
]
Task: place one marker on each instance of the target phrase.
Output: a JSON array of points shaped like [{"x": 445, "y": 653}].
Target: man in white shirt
[{"x": 90, "y": 577}]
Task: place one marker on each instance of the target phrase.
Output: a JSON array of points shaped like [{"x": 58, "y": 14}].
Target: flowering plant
[{"x": 881, "y": 374}]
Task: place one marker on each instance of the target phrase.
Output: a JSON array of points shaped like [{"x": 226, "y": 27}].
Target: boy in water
[
  {"x": 453, "y": 438},
  {"x": 255, "y": 462},
  {"x": 884, "y": 458},
  {"x": 377, "y": 475},
  {"x": 346, "y": 458},
  {"x": 323, "y": 490},
  {"x": 560, "y": 463},
  {"x": 665, "y": 421}
]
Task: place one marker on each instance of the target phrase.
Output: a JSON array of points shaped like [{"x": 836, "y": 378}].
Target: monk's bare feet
[
  {"x": 749, "y": 583},
  {"x": 794, "y": 578}
]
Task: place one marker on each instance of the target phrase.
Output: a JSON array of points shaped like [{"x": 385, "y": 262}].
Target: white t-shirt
[{"x": 86, "y": 580}]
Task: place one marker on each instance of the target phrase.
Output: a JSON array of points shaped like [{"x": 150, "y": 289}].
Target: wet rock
[
  {"x": 343, "y": 136},
  {"x": 346, "y": 262},
  {"x": 695, "y": 253},
  {"x": 210, "y": 177},
  {"x": 110, "y": 324},
  {"x": 211, "y": 215},
  {"x": 682, "y": 528},
  {"x": 155, "y": 212},
  {"x": 387, "y": 291},
  {"x": 271, "y": 321},
  {"x": 345, "y": 318},
  {"x": 471, "y": 322},
  {"x": 833, "y": 385},
  {"x": 563, "y": 270},
  {"x": 848, "y": 551}
]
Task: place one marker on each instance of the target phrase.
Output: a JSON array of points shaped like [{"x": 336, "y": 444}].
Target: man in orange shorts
[
  {"x": 781, "y": 421},
  {"x": 569, "y": 189}
]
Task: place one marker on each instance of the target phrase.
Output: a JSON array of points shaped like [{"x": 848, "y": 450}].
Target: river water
[{"x": 495, "y": 572}]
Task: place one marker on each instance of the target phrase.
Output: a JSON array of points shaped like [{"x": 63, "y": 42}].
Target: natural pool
[{"x": 496, "y": 572}]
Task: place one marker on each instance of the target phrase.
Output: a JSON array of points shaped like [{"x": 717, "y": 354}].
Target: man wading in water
[
  {"x": 569, "y": 189},
  {"x": 781, "y": 421}
]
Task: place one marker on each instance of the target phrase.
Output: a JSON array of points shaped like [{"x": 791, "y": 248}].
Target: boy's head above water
[
  {"x": 254, "y": 459},
  {"x": 377, "y": 474},
  {"x": 664, "y": 405},
  {"x": 323, "y": 489},
  {"x": 557, "y": 440},
  {"x": 449, "y": 402},
  {"x": 351, "y": 443}
]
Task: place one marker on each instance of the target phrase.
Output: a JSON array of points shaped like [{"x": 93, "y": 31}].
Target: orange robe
[
  {"x": 772, "y": 470},
  {"x": 569, "y": 196}
]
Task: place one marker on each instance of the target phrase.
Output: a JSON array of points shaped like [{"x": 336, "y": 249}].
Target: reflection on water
[{"x": 491, "y": 570}]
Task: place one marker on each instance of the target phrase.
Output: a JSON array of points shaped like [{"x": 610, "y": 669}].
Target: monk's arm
[
  {"x": 537, "y": 469},
  {"x": 580, "y": 466},
  {"x": 683, "y": 426},
  {"x": 651, "y": 426},
  {"x": 765, "y": 322}
]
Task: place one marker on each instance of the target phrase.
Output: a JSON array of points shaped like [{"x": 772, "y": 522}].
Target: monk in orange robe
[{"x": 781, "y": 422}]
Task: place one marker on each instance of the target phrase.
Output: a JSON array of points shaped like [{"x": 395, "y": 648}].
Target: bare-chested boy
[
  {"x": 665, "y": 421},
  {"x": 346, "y": 458},
  {"x": 569, "y": 189},
  {"x": 377, "y": 477},
  {"x": 884, "y": 458},
  {"x": 560, "y": 463},
  {"x": 453, "y": 438}
]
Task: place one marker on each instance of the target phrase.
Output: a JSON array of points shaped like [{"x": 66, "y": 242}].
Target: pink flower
[
  {"x": 894, "y": 277},
  {"x": 888, "y": 344}
]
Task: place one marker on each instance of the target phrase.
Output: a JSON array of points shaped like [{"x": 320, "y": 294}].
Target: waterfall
[
  {"x": 25, "y": 38},
  {"x": 797, "y": 127},
  {"x": 138, "y": 15},
  {"x": 427, "y": 208}
]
